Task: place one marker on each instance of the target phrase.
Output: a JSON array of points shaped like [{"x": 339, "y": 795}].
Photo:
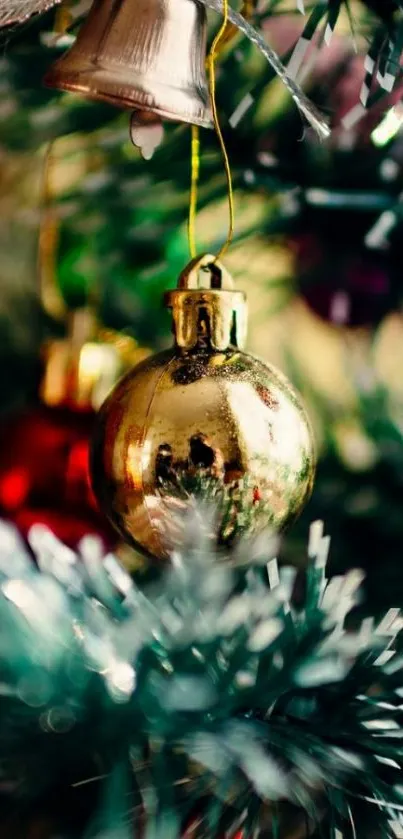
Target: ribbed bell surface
[{"x": 146, "y": 55}]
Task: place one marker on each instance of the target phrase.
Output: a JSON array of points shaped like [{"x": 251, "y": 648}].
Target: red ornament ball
[{"x": 44, "y": 473}]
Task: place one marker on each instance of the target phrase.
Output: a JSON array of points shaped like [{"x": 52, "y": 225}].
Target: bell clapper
[{"x": 146, "y": 133}]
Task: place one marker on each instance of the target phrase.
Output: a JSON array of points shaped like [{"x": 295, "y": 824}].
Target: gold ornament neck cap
[{"x": 207, "y": 310}]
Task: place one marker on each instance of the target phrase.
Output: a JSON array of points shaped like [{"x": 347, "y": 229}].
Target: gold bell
[{"x": 146, "y": 55}]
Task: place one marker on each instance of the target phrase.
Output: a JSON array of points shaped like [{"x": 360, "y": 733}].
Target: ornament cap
[{"x": 206, "y": 309}]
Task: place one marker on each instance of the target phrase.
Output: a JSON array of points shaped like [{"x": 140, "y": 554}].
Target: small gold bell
[
  {"x": 146, "y": 55},
  {"x": 206, "y": 421}
]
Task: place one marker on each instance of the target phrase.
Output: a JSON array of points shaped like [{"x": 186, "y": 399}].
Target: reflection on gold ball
[{"x": 216, "y": 424}]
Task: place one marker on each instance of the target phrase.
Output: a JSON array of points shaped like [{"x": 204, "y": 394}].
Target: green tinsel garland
[{"x": 207, "y": 704}]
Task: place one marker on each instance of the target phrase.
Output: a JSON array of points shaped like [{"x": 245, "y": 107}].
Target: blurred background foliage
[{"x": 317, "y": 248}]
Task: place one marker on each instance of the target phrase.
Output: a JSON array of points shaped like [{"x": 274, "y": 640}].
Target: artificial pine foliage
[{"x": 229, "y": 696}]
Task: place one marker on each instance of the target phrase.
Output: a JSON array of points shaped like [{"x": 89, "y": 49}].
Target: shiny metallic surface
[
  {"x": 146, "y": 55},
  {"x": 207, "y": 312},
  {"x": 17, "y": 11},
  {"x": 199, "y": 423}
]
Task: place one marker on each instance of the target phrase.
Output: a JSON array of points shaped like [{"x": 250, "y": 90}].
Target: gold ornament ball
[{"x": 201, "y": 421}]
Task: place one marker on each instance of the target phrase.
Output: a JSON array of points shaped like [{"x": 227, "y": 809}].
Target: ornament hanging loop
[
  {"x": 205, "y": 271},
  {"x": 207, "y": 311}
]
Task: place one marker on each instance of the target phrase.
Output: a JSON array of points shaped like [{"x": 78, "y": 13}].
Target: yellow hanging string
[
  {"x": 219, "y": 41},
  {"x": 214, "y": 51},
  {"x": 63, "y": 19},
  {"x": 232, "y": 32},
  {"x": 194, "y": 180}
]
